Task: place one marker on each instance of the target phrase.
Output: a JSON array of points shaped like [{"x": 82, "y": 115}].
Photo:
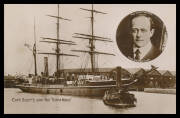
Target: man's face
[{"x": 141, "y": 31}]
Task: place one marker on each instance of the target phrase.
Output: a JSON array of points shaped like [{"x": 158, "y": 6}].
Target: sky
[{"x": 19, "y": 29}]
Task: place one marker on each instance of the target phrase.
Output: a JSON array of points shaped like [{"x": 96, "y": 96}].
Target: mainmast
[
  {"x": 58, "y": 42},
  {"x": 92, "y": 38},
  {"x": 92, "y": 42}
]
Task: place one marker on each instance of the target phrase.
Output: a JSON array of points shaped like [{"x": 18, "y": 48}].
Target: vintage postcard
[{"x": 89, "y": 59}]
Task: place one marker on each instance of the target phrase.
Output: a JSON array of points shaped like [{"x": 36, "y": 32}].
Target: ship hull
[
  {"x": 118, "y": 105},
  {"x": 96, "y": 91}
]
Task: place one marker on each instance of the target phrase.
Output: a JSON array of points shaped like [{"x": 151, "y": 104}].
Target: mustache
[{"x": 139, "y": 39}]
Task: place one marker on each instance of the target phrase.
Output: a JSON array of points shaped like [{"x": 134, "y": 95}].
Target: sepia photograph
[
  {"x": 89, "y": 58},
  {"x": 141, "y": 36}
]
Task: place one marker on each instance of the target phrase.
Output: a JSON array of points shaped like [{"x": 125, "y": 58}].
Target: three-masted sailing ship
[{"x": 88, "y": 87}]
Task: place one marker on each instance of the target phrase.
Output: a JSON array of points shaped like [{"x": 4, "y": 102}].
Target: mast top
[{"x": 92, "y": 10}]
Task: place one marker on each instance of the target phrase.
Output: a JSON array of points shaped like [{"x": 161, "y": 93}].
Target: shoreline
[{"x": 160, "y": 90}]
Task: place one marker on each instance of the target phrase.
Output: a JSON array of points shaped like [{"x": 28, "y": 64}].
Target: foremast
[
  {"x": 92, "y": 38},
  {"x": 34, "y": 50},
  {"x": 58, "y": 42}
]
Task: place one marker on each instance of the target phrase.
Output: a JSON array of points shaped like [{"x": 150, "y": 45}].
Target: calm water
[{"x": 16, "y": 101}]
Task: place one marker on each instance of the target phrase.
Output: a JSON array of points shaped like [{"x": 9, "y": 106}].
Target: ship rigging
[
  {"x": 95, "y": 86},
  {"x": 92, "y": 38},
  {"x": 58, "y": 42}
]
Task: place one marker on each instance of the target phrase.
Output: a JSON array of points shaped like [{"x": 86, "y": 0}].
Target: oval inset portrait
[{"x": 141, "y": 36}]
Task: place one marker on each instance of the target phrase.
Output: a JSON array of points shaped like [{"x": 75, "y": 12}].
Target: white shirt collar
[{"x": 143, "y": 50}]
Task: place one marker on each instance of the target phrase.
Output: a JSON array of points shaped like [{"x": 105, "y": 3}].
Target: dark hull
[
  {"x": 9, "y": 84},
  {"x": 97, "y": 91},
  {"x": 119, "y": 105}
]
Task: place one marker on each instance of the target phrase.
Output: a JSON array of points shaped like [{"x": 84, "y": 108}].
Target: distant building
[
  {"x": 168, "y": 80},
  {"x": 9, "y": 81},
  {"x": 154, "y": 79},
  {"x": 140, "y": 73}
]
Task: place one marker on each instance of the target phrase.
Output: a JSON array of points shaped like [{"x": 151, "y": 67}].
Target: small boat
[{"x": 119, "y": 98}]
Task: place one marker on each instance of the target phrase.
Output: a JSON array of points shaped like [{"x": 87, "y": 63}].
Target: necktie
[{"x": 137, "y": 55}]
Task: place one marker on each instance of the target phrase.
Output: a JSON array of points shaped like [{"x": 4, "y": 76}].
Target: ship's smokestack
[
  {"x": 118, "y": 76},
  {"x": 46, "y": 72}
]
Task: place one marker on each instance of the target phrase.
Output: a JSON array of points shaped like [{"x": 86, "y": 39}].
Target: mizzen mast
[{"x": 92, "y": 38}]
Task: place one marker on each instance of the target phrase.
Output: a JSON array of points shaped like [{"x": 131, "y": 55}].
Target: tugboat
[{"x": 119, "y": 96}]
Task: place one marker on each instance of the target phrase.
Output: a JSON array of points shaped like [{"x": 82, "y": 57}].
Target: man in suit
[{"x": 141, "y": 32}]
